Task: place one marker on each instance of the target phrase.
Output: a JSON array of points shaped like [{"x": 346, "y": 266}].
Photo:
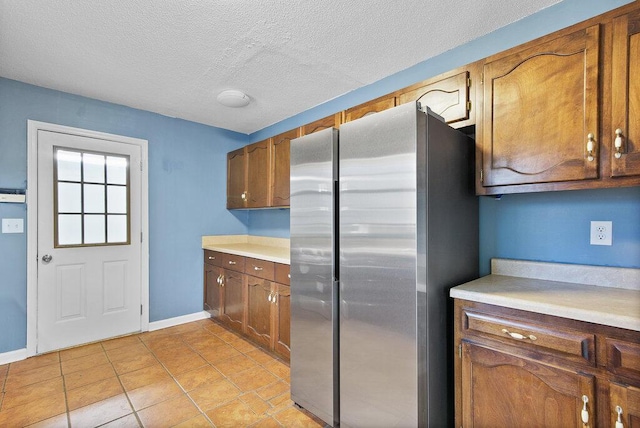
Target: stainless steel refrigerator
[{"x": 384, "y": 221}]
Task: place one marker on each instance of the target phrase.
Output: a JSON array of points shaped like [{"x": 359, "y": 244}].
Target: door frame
[{"x": 32, "y": 220}]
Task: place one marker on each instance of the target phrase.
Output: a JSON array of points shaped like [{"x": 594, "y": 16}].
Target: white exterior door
[{"x": 89, "y": 239}]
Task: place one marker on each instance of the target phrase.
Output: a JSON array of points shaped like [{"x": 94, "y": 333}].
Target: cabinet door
[
  {"x": 236, "y": 179},
  {"x": 501, "y": 390},
  {"x": 259, "y": 296},
  {"x": 332, "y": 121},
  {"x": 448, "y": 97},
  {"x": 626, "y": 96},
  {"x": 540, "y": 112},
  {"x": 625, "y": 406},
  {"x": 379, "y": 104},
  {"x": 280, "y": 170},
  {"x": 212, "y": 289},
  {"x": 233, "y": 300},
  {"x": 282, "y": 322},
  {"x": 258, "y": 174}
]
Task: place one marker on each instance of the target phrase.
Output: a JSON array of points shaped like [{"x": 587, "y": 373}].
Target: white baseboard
[
  {"x": 170, "y": 322},
  {"x": 13, "y": 356}
]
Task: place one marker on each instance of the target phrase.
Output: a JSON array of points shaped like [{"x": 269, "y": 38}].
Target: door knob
[{"x": 47, "y": 258}]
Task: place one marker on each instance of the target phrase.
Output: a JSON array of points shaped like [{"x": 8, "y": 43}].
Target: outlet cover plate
[
  {"x": 601, "y": 232},
  {"x": 12, "y": 225}
]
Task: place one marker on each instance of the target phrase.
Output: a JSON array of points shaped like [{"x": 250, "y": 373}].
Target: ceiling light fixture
[{"x": 233, "y": 98}]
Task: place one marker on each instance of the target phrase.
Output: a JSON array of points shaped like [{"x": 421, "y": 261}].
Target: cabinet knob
[
  {"x": 619, "y": 421},
  {"x": 585, "y": 413},
  {"x": 591, "y": 145},
  {"x": 618, "y": 143},
  {"x": 257, "y": 268},
  {"x": 519, "y": 336},
  {"x": 211, "y": 258}
]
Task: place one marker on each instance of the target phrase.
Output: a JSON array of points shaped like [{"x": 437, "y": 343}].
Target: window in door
[{"x": 91, "y": 198}]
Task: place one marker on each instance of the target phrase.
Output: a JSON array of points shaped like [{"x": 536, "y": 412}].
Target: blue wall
[
  {"x": 551, "y": 226},
  {"x": 187, "y": 195}
]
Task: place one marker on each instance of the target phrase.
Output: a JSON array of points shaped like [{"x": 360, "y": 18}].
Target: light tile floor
[{"x": 192, "y": 375}]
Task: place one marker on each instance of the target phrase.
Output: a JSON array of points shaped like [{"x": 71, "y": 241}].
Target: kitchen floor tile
[
  {"x": 167, "y": 377},
  {"x": 199, "y": 421},
  {"x": 80, "y": 351},
  {"x": 32, "y": 376},
  {"x": 146, "y": 376},
  {"x": 233, "y": 414},
  {"x": 26, "y": 394},
  {"x": 154, "y": 393},
  {"x": 293, "y": 417},
  {"x": 133, "y": 363},
  {"x": 34, "y": 411},
  {"x": 169, "y": 413},
  {"x": 120, "y": 342},
  {"x": 101, "y": 412},
  {"x": 34, "y": 362},
  {"x": 214, "y": 394},
  {"x": 129, "y": 421},
  {"x": 253, "y": 378},
  {"x": 88, "y": 376},
  {"x": 195, "y": 378},
  {"x": 235, "y": 364},
  {"x": 92, "y": 393},
  {"x": 85, "y": 362}
]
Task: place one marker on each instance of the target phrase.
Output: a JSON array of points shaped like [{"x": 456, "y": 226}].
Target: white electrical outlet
[{"x": 601, "y": 232}]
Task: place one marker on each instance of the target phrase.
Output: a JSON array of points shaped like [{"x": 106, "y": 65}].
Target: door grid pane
[{"x": 88, "y": 211}]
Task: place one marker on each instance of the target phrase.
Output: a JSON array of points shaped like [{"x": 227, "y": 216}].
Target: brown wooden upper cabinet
[
  {"x": 332, "y": 121},
  {"x": 374, "y": 106},
  {"x": 541, "y": 112},
  {"x": 249, "y": 176},
  {"x": 447, "y": 97},
  {"x": 236, "y": 178},
  {"x": 625, "y": 138},
  {"x": 280, "y": 169}
]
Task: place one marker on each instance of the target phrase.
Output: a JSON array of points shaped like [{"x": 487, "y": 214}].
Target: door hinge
[
  {"x": 460, "y": 351},
  {"x": 141, "y": 163},
  {"x": 140, "y": 309},
  {"x": 481, "y": 176},
  {"x": 468, "y": 105},
  {"x": 468, "y": 82},
  {"x": 141, "y": 237}
]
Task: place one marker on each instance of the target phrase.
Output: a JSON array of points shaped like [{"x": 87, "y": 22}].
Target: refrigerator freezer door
[
  {"x": 313, "y": 174},
  {"x": 378, "y": 263}
]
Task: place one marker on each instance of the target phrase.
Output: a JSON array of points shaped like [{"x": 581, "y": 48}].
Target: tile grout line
[{"x": 124, "y": 391}]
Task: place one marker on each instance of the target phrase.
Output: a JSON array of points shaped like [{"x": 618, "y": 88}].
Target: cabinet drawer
[
  {"x": 212, "y": 258},
  {"x": 233, "y": 262},
  {"x": 623, "y": 358},
  {"x": 260, "y": 268},
  {"x": 545, "y": 339},
  {"x": 282, "y": 273}
]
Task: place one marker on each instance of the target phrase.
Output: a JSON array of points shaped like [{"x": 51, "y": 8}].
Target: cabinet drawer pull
[
  {"x": 619, "y": 421},
  {"x": 618, "y": 143},
  {"x": 289, "y": 275},
  {"x": 518, "y": 335},
  {"x": 221, "y": 280},
  {"x": 211, "y": 258},
  {"x": 275, "y": 298},
  {"x": 270, "y": 296},
  {"x": 231, "y": 262},
  {"x": 585, "y": 413},
  {"x": 591, "y": 145},
  {"x": 257, "y": 268},
  {"x": 244, "y": 196}
]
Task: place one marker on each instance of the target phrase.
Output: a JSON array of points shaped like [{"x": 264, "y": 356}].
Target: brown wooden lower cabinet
[
  {"x": 519, "y": 368},
  {"x": 250, "y": 296}
]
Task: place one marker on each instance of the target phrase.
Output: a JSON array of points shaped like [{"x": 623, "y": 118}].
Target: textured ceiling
[{"x": 174, "y": 56}]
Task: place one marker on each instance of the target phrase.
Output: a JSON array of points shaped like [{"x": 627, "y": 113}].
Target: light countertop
[
  {"x": 601, "y": 295},
  {"x": 257, "y": 247}
]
